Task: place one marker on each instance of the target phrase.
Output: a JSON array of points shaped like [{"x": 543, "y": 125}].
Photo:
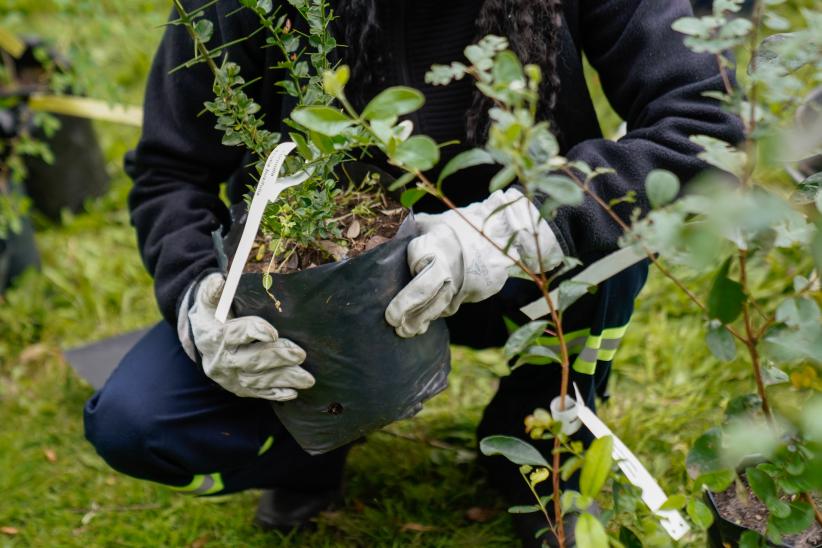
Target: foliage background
[{"x": 414, "y": 486}]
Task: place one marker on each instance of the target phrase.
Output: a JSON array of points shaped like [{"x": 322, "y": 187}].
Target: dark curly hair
[{"x": 531, "y": 26}]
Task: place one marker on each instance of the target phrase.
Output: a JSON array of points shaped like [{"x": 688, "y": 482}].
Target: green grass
[{"x": 55, "y": 491}]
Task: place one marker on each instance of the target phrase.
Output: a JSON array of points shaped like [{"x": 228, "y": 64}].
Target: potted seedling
[
  {"x": 330, "y": 254},
  {"x": 61, "y": 164}
]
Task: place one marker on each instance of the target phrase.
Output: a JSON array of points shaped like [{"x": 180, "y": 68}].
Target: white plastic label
[
  {"x": 595, "y": 274},
  {"x": 268, "y": 190},
  {"x": 652, "y": 494}
]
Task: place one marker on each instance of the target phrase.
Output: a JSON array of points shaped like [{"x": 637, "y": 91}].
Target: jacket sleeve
[
  {"x": 656, "y": 85},
  {"x": 179, "y": 162}
]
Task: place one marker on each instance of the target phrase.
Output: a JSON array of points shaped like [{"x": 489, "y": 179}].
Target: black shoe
[{"x": 282, "y": 509}]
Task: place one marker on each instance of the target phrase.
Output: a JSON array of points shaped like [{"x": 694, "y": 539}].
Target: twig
[
  {"x": 751, "y": 340},
  {"x": 816, "y": 512},
  {"x": 556, "y": 528},
  {"x": 437, "y": 444}
]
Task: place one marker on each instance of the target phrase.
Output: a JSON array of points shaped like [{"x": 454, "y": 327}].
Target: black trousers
[{"x": 160, "y": 418}]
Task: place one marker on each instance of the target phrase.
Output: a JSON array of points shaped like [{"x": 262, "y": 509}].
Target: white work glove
[
  {"x": 244, "y": 355},
  {"x": 452, "y": 263}
]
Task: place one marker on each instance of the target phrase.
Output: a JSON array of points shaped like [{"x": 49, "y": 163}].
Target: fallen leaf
[
  {"x": 331, "y": 515},
  {"x": 480, "y": 515},
  {"x": 199, "y": 542},
  {"x": 51, "y": 456},
  {"x": 374, "y": 241},
  {"x": 416, "y": 527},
  {"x": 391, "y": 212},
  {"x": 10, "y": 531},
  {"x": 33, "y": 353},
  {"x": 337, "y": 251},
  {"x": 353, "y": 230}
]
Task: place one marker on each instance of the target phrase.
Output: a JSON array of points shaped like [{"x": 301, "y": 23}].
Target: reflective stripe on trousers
[
  {"x": 211, "y": 484},
  {"x": 589, "y": 348}
]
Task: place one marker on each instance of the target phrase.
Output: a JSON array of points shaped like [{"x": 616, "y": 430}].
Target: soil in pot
[
  {"x": 365, "y": 216},
  {"x": 359, "y": 233},
  {"x": 750, "y": 513}
]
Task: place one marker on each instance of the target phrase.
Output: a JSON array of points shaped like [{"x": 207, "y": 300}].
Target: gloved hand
[
  {"x": 453, "y": 263},
  {"x": 244, "y": 355}
]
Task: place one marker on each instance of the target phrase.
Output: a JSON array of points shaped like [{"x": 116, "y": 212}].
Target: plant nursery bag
[{"x": 366, "y": 375}]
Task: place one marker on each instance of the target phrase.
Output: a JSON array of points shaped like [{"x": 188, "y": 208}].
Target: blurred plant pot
[
  {"x": 18, "y": 252},
  {"x": 78, "y": 171},
  {"x": 726, "y": 533},
  {"x": 809, "y": 124}
]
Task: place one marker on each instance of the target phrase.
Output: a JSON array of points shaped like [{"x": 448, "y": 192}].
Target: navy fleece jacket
[{"x": 650, "y": 78}]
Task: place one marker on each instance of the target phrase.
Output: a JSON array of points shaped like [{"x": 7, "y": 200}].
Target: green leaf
[
  {"x": 513, "y": 449},
  {"x": 744, "y": 405},
  {"x": 662, "y": 187},
  {"x": 704, "y": 456},
  {"x": 524, "y": 509},
  {"x": 751, "y": 539},
  {"x": 418, "y": 152},
  {"x": 411, "y": 196},
  {"x": 716, "y": 481},
  {"x": 507, "y": 68},
  {"x": 464, "y": 160},
  {"x": 204, "y": 29},
  {"x": 764, "y": 488},
  {"x": 502, "y": 178},
  {"x": 628, "y": 538},
  {"x": 807, "y": 191},
  {"x": 772, "y": 375},
  {"x": 561, "y": 188},
  {"x": 570, "y": 291},
  {"x": 674, "y": 502},
  {"x": 393, "y": 102},
  {"x": 523, "y": 337},
  {"x": 334, "y": 81},
  {"x": 401, "y": 181},
  {"x": 700, "y": 514},
  {"x": 786, "y": 344},
  {"x": 692, "y": 26},
  {"x": 590, "y": 533},
  {"x": 776, "y": 22},
  {"x": 267, "y": 281},
  {"x": 798, "y": 519},
  {"x": 798, "y": 311},
  {"x": 538, "y": 355},
  {"x": 596, "y": 467},
  {"x": 721, "y": 343},
  {"x": 726, "y": 297},
  {"x": 323, "y": 120},
  {"x": 720, "y": 154}
]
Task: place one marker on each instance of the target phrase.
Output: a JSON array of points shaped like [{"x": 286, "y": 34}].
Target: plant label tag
[
  {"x": 594, "y": 274},
  {"x": 268, "y": 190},
  {"x": 652, "y": 494}
]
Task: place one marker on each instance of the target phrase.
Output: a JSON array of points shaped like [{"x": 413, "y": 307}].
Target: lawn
[{"x": 414, "y": 484}]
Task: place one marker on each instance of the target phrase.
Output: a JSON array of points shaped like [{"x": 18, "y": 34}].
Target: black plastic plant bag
[{"x": 367, "y": 376}]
